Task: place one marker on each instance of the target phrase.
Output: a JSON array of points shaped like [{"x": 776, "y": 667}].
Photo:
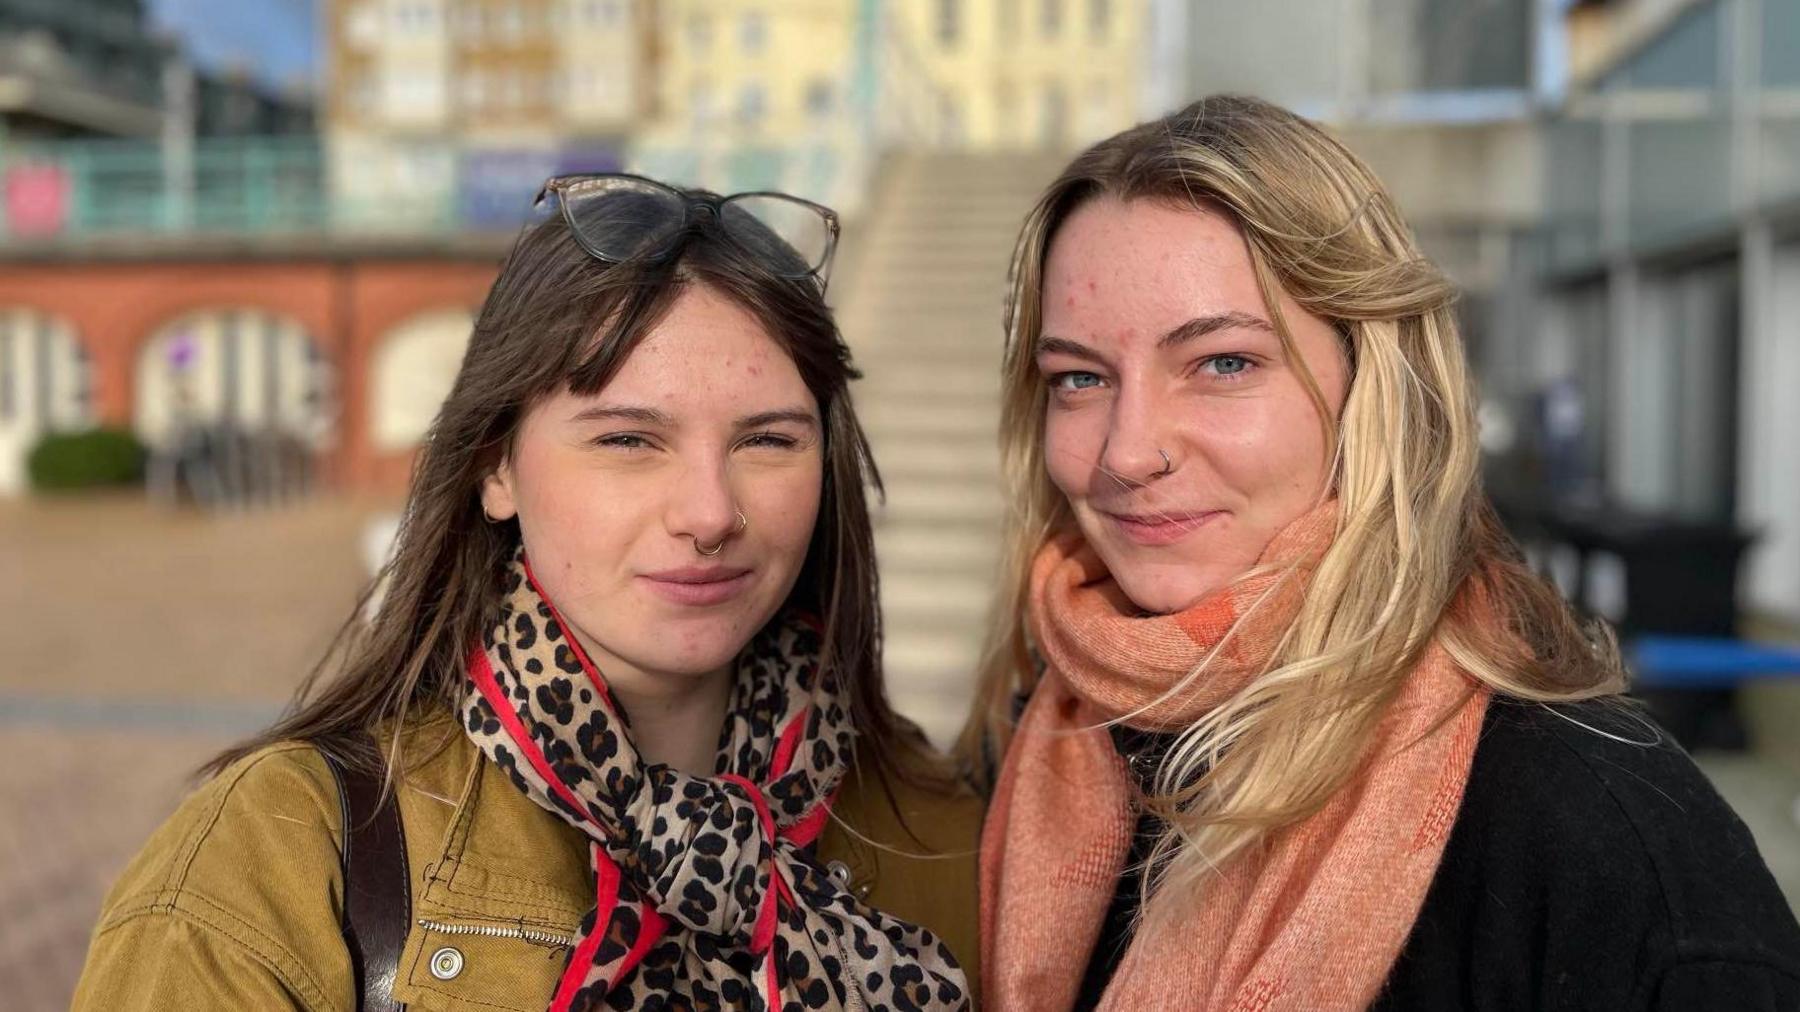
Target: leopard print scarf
[{"x": 707, "y": 896}]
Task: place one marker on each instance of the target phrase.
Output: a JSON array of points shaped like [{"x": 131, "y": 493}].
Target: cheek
[
  {"x": 574, "y": 523},
  {"x": 784, "y": 506},
  {"x": 1268, "y": 446},
  {"x": 1072, "y": 445}
]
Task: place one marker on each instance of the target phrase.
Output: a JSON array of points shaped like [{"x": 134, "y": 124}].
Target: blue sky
[{"x": 274, "y": 39}]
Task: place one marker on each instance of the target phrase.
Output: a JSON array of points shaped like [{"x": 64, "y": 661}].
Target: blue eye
[
  {"x": 1228, "y": 365},
  {"x": 1074, "y": 380}
]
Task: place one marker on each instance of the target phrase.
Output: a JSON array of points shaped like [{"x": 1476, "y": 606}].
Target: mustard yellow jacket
[{"x": 234, "y": 903}]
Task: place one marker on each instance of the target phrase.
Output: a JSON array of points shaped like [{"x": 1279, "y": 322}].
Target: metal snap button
[
  {"x": 839, "y": 872},
  {"x": 446, "y": 963}
]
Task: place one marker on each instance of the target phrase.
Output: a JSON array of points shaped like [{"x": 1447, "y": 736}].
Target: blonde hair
[{"x": 1419, "y": 554}]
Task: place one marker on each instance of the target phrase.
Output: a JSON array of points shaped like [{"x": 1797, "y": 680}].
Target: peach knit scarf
[{"x": 1312, "y": 920}]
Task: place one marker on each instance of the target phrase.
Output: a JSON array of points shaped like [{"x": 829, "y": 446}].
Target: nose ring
[
  {"x": 742, "y": 522},
  {"x": 1168, "y": 465}
]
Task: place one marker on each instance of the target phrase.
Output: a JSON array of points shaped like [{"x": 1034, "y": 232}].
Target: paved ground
[{"x": 141, "y": 642}]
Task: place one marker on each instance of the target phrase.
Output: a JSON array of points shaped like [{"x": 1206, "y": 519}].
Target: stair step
[
  {"x": 907, "y": 462},
  {"x": 923, "y": 316}
]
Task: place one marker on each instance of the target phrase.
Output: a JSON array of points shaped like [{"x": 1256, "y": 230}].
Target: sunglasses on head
[{"x": 618, "y": 217}]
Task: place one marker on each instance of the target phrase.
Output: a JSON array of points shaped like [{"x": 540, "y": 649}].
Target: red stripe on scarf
[
  {"x": 790, "y": 741},
  {"x": 587, "y": 665},
  {"x": 482, "y": 674},
  {"x": 606, "y": 882}
]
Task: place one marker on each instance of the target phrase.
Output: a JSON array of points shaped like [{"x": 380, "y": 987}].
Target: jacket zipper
[{"x": 492, "y": 931}]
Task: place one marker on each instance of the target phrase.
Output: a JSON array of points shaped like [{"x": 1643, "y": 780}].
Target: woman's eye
[
  {"x": 1074, "y": 380},
  {"x": 1227, "y": 365},
  {"x": 623, "y": 441},
  {"x": 773, "y": 440}
]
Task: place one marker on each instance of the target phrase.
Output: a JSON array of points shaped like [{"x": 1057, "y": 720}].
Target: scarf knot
[{"x": 691, "y": 871}]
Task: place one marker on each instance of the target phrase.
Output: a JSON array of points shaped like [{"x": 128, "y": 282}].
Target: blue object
[{"x": 1696, "y": 662}]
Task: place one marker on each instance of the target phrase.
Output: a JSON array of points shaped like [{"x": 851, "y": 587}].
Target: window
[
  {"x": 364, "y": 26},
  {"x": 753, "y": 32},
  {"x": 1054, "y": 127},
  {"x": 402, "y": 16},
  {"x": 512, "y": 21},
  {"x": 699, "y": 33},
  {"x": 1051, "y": 18},
  {"x": 947, "y": 26},
  {"x": 602, "y": 13},
  {"x": 819, "y": 97},
  {"x": 469, "y": 24},
  {"x": 1007, "y": 19},
  {"x": 475, "y": 89},
  {"x": 1006, "y": 108},
  {"x": 751, "y": 104},
  {"x": 364, "y": 94},
  {"x": 703, "y": 103}
]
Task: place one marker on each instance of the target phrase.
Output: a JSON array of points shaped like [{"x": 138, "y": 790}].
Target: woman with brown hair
[
  {"x": 1299, "y": 730},
  {"x": 621, "y": 695}
]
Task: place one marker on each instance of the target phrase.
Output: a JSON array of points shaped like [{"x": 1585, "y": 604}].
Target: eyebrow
[
  {"x": 643, "y": 416},
  {"x": 661, "y": 419},
  {"x": 1192, "y": 330},
  {"x": 797, "y": 416},
  {"x": 1200, "y": 326}
]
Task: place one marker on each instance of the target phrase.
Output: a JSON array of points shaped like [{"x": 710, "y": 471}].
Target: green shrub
[{"x": 92, "y": 459}]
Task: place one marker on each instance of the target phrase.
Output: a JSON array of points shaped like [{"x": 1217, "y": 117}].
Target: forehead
[
  {"x": 706, "y": 352},
  {"x": 1121, "y": 269}
]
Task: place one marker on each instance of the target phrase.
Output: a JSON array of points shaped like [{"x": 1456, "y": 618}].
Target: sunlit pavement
[{"x": 140, "y": 642}]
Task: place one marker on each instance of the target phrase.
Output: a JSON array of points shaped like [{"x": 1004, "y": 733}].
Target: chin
[
  {"x": 688, "y": 642},
  {"x": 1165, "y": 593}
]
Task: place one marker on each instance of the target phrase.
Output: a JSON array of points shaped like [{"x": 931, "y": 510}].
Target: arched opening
[
  {"x": 234, "y": 368},
  {"x": 44, "y": 386},
  {"x": 413, "y": 368}
]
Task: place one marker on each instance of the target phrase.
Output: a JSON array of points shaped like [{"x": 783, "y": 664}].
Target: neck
[{"x": 676, "y": 718}]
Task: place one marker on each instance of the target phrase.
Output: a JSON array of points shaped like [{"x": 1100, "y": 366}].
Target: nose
[
  {"x": 1133, "y": 452},
  {"x": 701, "y": 505}
]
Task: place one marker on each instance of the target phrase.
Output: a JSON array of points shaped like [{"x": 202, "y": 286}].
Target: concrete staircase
[{"x": 920, "y": 304}]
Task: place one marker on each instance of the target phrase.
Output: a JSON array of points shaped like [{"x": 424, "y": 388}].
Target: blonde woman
[{"x": 1299, "y": 731}]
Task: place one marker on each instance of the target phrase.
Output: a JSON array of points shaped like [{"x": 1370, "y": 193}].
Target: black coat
[{"x": 1584, "y": 872}]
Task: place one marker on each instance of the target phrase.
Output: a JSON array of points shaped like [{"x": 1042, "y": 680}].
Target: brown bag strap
[{"x": 377, "y": 885}]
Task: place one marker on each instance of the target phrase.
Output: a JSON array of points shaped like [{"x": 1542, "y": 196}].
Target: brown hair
[{"x": 557, "y": 317}]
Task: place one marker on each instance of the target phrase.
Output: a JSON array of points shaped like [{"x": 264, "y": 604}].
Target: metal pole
[{"x": 178, "y": 143}]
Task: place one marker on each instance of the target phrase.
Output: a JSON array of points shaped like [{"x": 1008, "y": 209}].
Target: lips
[
  {"x": 1163, "y": 528},
  {"x": 698, "y": 585}
]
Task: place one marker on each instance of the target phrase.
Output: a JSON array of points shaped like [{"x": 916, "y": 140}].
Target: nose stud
[
  {"x": 743, "y": 522},
  {"x": 1168, "y": 465}
]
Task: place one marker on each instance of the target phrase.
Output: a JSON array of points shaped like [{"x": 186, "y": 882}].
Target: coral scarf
[
  {"x": 1313, "y": 919},
  {"x": 706, "y": 895}
]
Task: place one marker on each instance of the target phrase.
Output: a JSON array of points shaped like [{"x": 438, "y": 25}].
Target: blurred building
[
  {"x": 104, "y": 123},
  {"x": 1442, "y": 98},
  {"x": 1671, "y": 273},
  {"x": 1046, "y": 75},
  {"x": 441, "y": 111},
  {"x": 757, "y": 95},
  {"x": 93, "y": 68}
]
